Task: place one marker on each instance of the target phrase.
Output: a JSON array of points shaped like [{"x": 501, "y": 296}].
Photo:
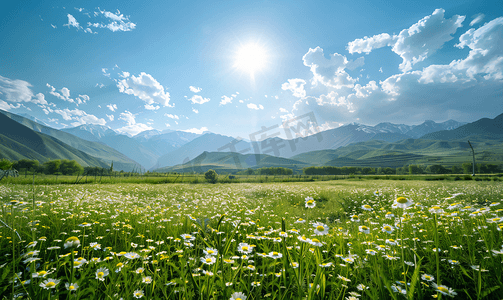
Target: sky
[{"x": 240, "y": 68}]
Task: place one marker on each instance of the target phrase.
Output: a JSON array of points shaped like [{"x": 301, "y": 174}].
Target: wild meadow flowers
[{"x": 326, "y": 240}]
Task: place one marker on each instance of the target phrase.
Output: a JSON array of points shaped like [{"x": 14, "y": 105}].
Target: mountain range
[{"x": 349, "y": 144}]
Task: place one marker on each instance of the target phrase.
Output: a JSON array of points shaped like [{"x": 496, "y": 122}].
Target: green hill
[
  {"x": 18, "y": 141},
  {"x": 97, "y": 150}
]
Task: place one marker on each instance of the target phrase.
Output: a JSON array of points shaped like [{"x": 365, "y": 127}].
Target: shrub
[{"x": 211, "y": 176}]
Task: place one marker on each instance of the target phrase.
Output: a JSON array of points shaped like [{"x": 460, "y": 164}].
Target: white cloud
[
  {"x": 79, "y": 117},
  {"x": 82, "y": 99},
  {"x": 110, "y": 117},
  {"x": 146, "y": 88},
  {"x": 296, "y": 86},
  {"x": 195, "y": 89},
  {"x": 72, "y": 22},
  {"x": 134, "y": 129},
  {"x": 100, "y": 85},
  {"x": 112, "y": 107},
  {"x": 330, "y": 72},
  {"x": 128, "y": 117},
  {"x": 254, "y": 106},
  {"x": 196, "y": 131},
  {"x": 151, "y": 107},
  {"x": 15, "y": 90},
  {"x": 367, "y": 44},
  {"x": 174, "y": 117},
  {"x": 226, "y": 100},
  {"x": 416, "y": 43},
  {"x": 195, "y": 110},
  {"x": 477, "y": 18},
  {"x": 198, "y": 99},
  {"x": 281, "y": 109},
  {"x": 114, "y": 21},
  {"x": 167, "y": 125}
]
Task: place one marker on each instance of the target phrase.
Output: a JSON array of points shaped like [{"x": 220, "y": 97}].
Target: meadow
[{"x": 341, "y": 239}]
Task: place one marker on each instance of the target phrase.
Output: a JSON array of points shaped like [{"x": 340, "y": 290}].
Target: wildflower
[
  {"x": 367, "y": 207},
  {"x": 238, "y": 296},
  {"x": 304, "y": 239},
  {"x": 376, "y": 193},
  {"x": 244, "y": 248},
  {"x": 139, "y": 270},
  {"x": 208, "y": 260},
  {"x": 300, "y": 220},
  {"x": 72, "y": 242},
  {"x": 316, "y": 242},
  {"x": 402, "y": 202},
  {"x": 275, "y": 255},
  {"x": 95, "y": 246},
  {"x": 436, "y": 210},
  {"x": 391, "y": 242},
  {"x": 310, "y": 203},
  {"x": 283, "y": 234},
  {"x": 79, "y": 262},
  {"x": 326, "y": 265},
  {"x": 119, "y": 267},
  {"x": 350, "y": 259},
  {"x": 250, "y": 267},
  {"x": 427, "y": 277},
  {"x": 132, "y": 255},
  {"x": 229, "y": 261},
  {"x": 31, "y": 244},
  {"x": 49, "y": 283},
  {"x": 387, "y": 228},
  {"x": 138, "y": 294},
  {"x": 371, "y": 251},
  {"x": 187, "y": 237},
  {"x": 210, "y": 251},
  {"x": 444, "y": 290},
  {"x": 255, "y": 284},
  {"x": 71, "y": 286},
  {"x": 361, "y": 287},
  {"x": 295, "y": 265},
  {"x": 320, "y": 229},
  {"x": 343, "y": 278},
  {"x": 101, "y": 273},
  {"x": 389, "y": 215},
  {"x": 453, "y": 262},
  {"x": 364, "y": 229},
  {"x": 147, "y": 279}
]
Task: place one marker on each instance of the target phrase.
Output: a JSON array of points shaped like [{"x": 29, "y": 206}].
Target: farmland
[{"x": 309, "y": 240}]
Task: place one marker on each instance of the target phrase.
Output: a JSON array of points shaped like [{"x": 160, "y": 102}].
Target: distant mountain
[
  {"x": 98, "y": 150},
  {"x": 492, "y": 128},
  {"x": 146, "y": 147},
  {"x": 233, "y": 162},
  {"x": 18, "y": 141},
  {"x": 91, "y": 132}
]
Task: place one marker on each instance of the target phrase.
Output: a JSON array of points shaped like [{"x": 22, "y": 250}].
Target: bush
[{"x": 211, "y": 176}]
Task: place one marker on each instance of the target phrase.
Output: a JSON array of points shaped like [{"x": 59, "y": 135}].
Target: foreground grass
[{"x": 210, "y": 241}]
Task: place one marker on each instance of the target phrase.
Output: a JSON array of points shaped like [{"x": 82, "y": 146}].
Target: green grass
[{"x": 110, "y": 220}]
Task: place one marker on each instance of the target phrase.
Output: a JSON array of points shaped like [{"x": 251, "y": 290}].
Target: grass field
[{"x": 352, "y": 240}]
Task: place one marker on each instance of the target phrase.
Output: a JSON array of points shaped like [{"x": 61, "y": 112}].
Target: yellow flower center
[
  {"x": 42, "y": 273},
  {"x": 238, "y": 299},
  {"x": 275, "y": 253},
  {"x": 364, "y": 228},
  {"x": 310, "y": 201},
  {"x": 443, "y": 289},
  {"x": 101, "y": 274},
  {"x": 120, "y": 265},
  {"x": 367, "y": 206},
  {"x": 300, "y": 219},
  {"x": 245, "y": 248},
  {"x": 71, "y": 287},
  {"x": 355, "y": 217},
  {"x": 304, "y": 238},
  {"x": 208, "y": 260},
  {"x": 211, "y": 251},
  {"x": 435, "y": 207},
  {"x": 316, "y": 240},
  {"x": 320, "y": 228},
  {"x": 401, "y": 200},
  {"x": 387, "y": 228},
  {"x": 50, "y": 284}
]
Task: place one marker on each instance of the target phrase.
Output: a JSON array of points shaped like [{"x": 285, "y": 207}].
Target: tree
[
  {"x": 414, "y": 169},
  {"x": 437, "y": 169},
  {"x": 52, "y": 166},
  {"x": 211, "y": 176},
  {"x": 5, "y": 164},
  {"x": 70, "y": 167},
  {"x": 456, "y": 170},
  {"x": 467, "y": 168}
]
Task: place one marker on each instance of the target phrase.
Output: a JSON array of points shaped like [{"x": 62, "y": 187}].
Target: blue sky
[{"x": 234, "y": 67}]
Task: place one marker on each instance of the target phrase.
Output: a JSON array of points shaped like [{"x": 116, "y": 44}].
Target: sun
[{"x": 250, "y": 58}]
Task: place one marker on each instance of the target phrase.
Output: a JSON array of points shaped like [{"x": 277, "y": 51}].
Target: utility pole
[{"x": 473, "y": 154}]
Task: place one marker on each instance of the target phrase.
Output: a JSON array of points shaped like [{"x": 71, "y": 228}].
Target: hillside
[
  {"x": 98, "y": 150},
  {"x": 18, "y": 141}
]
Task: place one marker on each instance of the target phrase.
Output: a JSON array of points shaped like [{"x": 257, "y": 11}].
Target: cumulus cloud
[
  {"x": 111, "y": 21},
  {"x": 198, "y": 99},
  {"x": 195, "y": 89},
  {"x": 145, "y": 87},
  {"x": 110, "y": 117},
  {"x": 226, "y": 100},
  {"x": 72, "y": 22},
  {"x": 416, "y": 43},
  {"x": 174, "y": 117},
  {"x": 296, "y": 86},
  {"x": 132, "y": 128},
  {"x": 254, "y": 106},
  {"x": 195, "y": 110},
  {"x": 331, "y": 72},
  {"x": 196, "y": 131},
  {"x": 79, "y": 117},
  {"x": 112, "y": 107},
  {"x": 15, "y": 90}
]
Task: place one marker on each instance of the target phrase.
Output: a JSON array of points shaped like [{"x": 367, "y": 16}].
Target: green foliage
[
  {"x": 51, "y": 166},
  {"x": 5, "y": 164},
  {"x": 211, "y": 176},
  {"x": 70, "y": 167}
]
